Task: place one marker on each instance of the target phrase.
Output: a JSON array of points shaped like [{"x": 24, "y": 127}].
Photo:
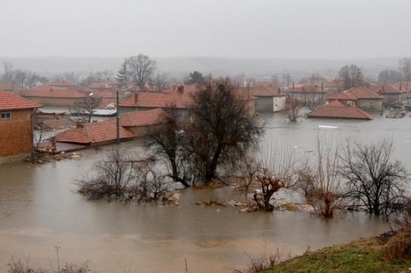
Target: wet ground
[{"x": 39, "y": 210}]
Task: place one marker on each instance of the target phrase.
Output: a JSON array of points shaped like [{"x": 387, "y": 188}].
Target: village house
[
  {"x": 268, "y": 99},
  {"x": 360, "y": 97},
  {"x": 338, "y": 110},
  {"x": 16, "y": 127},
  {"x": 391, "y": 95},
  {"x": 49, "y": 96},
  {"x": 308, "y": 94},
  {"x": 131, "y": 125}
]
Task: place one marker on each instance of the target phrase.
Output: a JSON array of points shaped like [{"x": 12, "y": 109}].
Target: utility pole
[{"x": 117, "y": 118}]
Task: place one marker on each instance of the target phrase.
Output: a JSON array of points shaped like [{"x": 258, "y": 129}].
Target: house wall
[
  {"x": 390, "y": 98},
  {"x": 318, "y": 98},
  {"x": 264, "y": 104},
  {"x": 16, "y": 134},
  {"x": 365, "y": 104},
  {"x": 279, "y": 103}
]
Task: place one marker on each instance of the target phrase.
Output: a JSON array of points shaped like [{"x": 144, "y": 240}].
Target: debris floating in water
[{"x": 327, "y": 127}]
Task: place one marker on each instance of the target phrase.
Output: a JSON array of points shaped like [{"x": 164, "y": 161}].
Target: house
[
  {"x": 176, "y": 96},
  {"x": 16, "y": 126},
  {"x": 360, "y": 97},
  {"x": 267, "y": 99},
  {"x": 131, "y": 125},
  {"x": 308, "y": 94},
  {"x": 62, "y": 85},
  {"x": 390, "y": 94},
  {"x": 50, "y": 96},
  {"x": 339, "y": 110},
  {"x": 95, "y": 133}
]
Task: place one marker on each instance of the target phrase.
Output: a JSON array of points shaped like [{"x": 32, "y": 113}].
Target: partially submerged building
[
  {"x": 16, "y": 126},
  {"x": 339, "y": 110}
]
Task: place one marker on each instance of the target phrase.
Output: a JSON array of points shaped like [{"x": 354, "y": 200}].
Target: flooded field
[{"x": 39, "y": 210}]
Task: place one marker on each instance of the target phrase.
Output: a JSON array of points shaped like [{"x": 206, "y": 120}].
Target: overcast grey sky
[{"x": 325, "y": 29}]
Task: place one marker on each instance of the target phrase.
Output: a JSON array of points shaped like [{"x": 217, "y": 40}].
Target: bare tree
[
  {"x": 276, "y": 171},
  {"x": 405, "y": 67},
  {"x": 109, "y": 176},
  {"x": 390, "y": 76},
  {"x": 373, "y": 179},
  {"x": 248, "y": 168},
  {"x": 84, "y": 111},
  {"x": 140, "y": 70},
  {"x": 159, "y": 83},
  {"x": 286, "y": 76},
  {"x": 8, "y": 74},
  {"x": 222, "y": 129},
  {"x": 351, "y": 76},
  {"x": 166, "y": 142},
  {"x": 320, "y": 178},
  {"x": 292, "y": 109}
]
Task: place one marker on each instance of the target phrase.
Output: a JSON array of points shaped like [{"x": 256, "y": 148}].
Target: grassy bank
[{"x": 365, "y": 255}]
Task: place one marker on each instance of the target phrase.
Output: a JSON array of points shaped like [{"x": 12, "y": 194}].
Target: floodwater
[{"x": 39, "y": 210}]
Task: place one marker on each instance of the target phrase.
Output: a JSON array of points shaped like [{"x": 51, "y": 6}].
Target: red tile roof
[
  {"x": 404, "y": 86},
  {"x": 385, "y": 89},
  {"x": 355, "y": 93},
  {"x": 140, "y": 118},
  {"x": 336, "y": 109},
  {"x": 264, "y": 91},
  {"x": 10, "y": 101},
  {"x": 93, "y": 133},
  {"x": 49, "y": 92},
  {"x": 305, "y": 88},
  {"x": 156, "y": 100}
]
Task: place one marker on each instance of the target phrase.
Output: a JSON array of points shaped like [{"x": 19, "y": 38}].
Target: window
[
  {"x": 371, "y": 104},
  {"x": 5, "y": 114}
]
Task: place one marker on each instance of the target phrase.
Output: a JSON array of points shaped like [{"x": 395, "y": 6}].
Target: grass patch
[{"x": 365, "y": 255}]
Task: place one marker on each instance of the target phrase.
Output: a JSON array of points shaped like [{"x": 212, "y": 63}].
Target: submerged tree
[
  {"x": 373, "y": 179},
  {"x": 166, "y": 142},
  {"x": 292, "y": 109},
  {"x": 222, "y": 128}
]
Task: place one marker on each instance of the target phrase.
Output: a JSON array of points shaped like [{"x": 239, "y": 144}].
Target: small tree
[
  {"x": 110, "y": 175},
  {"x": 405, "y": 67},
  {"x": 292, "y": 109},
  {"x": 195, "y": 77},
  {"x": 373, "y": 179},
  {"x": 320, "y": 178},
  {"x": 276, "y": 171},
  {"x": 351, "y": 76},
  {"x": 122, "y": 75}
]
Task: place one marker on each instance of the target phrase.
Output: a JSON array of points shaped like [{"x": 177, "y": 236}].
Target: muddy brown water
[{"x": 39, "y": 210}]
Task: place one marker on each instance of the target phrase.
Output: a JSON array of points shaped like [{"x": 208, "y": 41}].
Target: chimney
[
  {"x": 279, "y": 90},
  {"x": 400, "y": 86},
  {"x": 79, "y": 124},
  {"x": 135, "y": 98},
  {"x": 383, "y": 88},
  {"x": 180, "y": 89},
  {"x": 174, "y": 88}
]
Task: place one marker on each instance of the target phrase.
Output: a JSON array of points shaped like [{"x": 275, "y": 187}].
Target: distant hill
[{"x": 216, "y": 66}]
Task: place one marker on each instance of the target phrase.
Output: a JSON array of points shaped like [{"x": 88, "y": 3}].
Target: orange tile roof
[
  {"x": 336, "y": 109},
  {"x": 264, "y": 91},
  {"x": 404, "y": 86},
  {"x": 305, "y": 88},
  {"x": 157, "y": 100},
  {"x": 93, "y": 133},
  {"x": 49, "y": 92},
  {"x": 385, "y": 89},
  {"x": 140, "y": 118},
  {"x": 356, "y": 93},
  {"x": 10, "y": 101}
]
